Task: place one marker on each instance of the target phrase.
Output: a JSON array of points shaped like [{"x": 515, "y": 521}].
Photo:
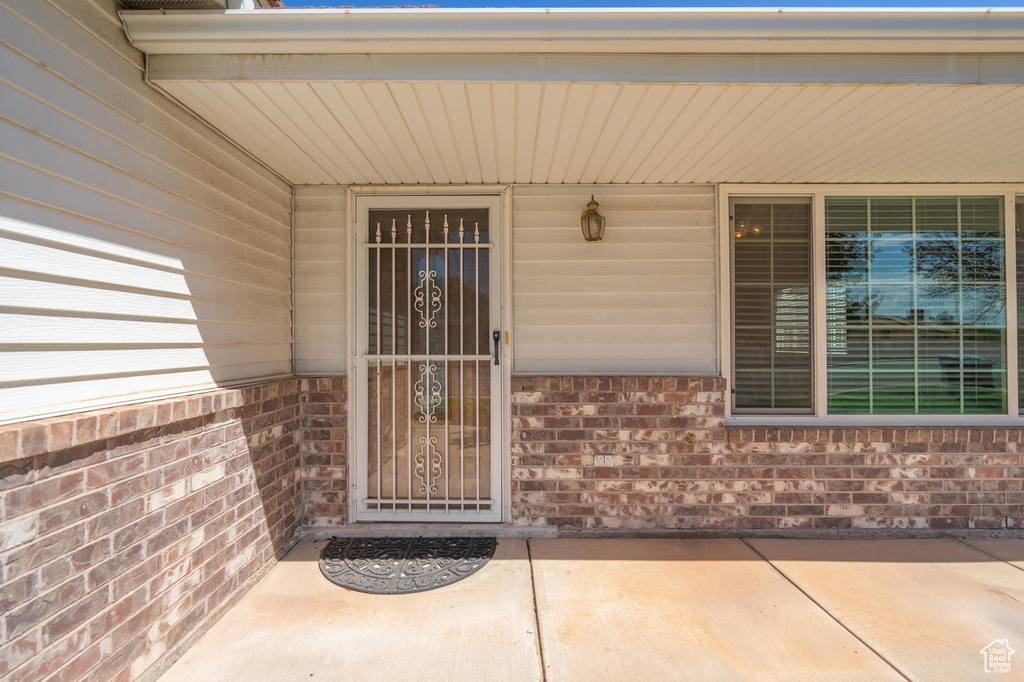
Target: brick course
[
  {"x": 124, "y": 532},
  {"x": 742, "y": 479}
]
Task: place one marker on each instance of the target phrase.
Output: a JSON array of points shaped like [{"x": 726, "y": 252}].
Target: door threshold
[{"x": 398, "y": 530}]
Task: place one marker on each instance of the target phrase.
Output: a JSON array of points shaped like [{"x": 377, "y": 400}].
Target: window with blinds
[
  {"x": 916, "y": 301},
  {"x": 771, "y": 266}
]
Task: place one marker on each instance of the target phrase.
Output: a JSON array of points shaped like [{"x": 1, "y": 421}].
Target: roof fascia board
[
  {"x": 626, "y": 31},
  {"x": 791, "y": 69}
]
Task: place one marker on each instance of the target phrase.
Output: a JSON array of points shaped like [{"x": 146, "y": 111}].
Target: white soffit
[
  {"x": 407, "y": 96},
  {"x": 431, "y": 132}
]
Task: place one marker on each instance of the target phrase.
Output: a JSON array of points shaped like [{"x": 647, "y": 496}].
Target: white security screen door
[{"x": 428, "y": 346}]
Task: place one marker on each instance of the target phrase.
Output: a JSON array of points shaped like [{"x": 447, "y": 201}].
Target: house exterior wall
[
  {"x": 142, "y": 253},
  {"x": 125, "y": 532},
  {"x": 643, "y": 300},
  {"x": 615, "y": 351},
  {"x": 325, "y": 452},
  {"x": 321, "y": 289}
]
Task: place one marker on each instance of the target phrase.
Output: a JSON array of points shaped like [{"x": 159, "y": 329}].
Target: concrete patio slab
[
  {"x": 295, "y": 625},
  {"x": 1011, "y": 551},
  {"x": 926, "y": 606},
  {"x": 683, "y": 609},
  {"x": 623, "y": 609}
]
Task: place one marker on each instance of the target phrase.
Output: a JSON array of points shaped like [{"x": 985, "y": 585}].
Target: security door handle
[{"x": 497, "y": 340}]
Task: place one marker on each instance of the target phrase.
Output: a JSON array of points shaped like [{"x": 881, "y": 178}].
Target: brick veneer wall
[
  {"x": 741, "y": 479},
  {"x": 124, "y": 532},
  {"x": 325, "y": 451}
]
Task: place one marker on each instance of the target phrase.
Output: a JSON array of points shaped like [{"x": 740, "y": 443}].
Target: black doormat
[{"x": 403, "y": 565}]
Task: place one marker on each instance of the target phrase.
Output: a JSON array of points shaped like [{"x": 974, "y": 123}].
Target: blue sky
[{"x": 663, "y": 3}]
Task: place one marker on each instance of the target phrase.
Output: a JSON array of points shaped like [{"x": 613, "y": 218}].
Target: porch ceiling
[
  {"x": 422, "y": 96},
  {"x": 417, "y": 130}
]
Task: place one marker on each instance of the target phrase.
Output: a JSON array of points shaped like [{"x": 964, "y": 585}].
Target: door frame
[{"x": 364, "y": 198}]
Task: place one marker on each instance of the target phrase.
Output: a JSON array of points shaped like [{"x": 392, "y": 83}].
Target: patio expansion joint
[
  {"x": 536, "y": 614},
  {"x": 998, "y": 558},
  {"x": 827, "y": 612}
]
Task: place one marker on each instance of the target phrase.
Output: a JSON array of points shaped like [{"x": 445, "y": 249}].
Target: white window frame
[
  {"x": 802, "y": 200},
  {"x": 817, "y": 194}
]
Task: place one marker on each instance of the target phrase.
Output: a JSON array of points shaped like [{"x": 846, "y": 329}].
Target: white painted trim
[
  {"x": 723, "y": 298},
  {"x": 621, "y": 30},
  {"x": 727, "y": 284},
  {"x": 505, "y": 432},
  {"x": 819, "y": 341},
  {"x": 724, "y": 219},
  {"x": 291, "y": 272},
  {"x": 831, "y": 69},
  {"x": 876, "y": 421},
  {"x": 1012, "y": 337},
  {"x": 354, "y": 415},
  {"x": 425, "y": 191},
  {"x": 871, "y": 189},
  {"x": 818, "y": 192}
]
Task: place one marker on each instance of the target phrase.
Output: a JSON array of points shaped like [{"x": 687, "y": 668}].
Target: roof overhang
[{"x": 430, "y": 96}]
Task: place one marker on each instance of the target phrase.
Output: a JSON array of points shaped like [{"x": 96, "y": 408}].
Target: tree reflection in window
[{"x": 915, "y": 305}]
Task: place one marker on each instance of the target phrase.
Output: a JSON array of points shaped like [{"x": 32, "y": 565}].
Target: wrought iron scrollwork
[
  {"x": 428, "y": 464},
  {"x": 427, "y": 298}
]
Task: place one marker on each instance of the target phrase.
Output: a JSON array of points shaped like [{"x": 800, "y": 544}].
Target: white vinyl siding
[
  {"x": 141, "y": 253},
  {"x": 642, "y": 300},
  {"x": 321, "y": 268}
]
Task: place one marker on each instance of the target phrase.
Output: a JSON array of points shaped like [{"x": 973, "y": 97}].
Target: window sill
[{"x": 875, "y": 421}]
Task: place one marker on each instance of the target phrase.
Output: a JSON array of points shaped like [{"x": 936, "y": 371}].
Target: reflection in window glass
[
  {"x": 915, "y": 305},
  {"x": 771, "y": 290}
]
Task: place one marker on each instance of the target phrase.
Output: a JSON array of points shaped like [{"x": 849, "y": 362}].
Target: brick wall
[
  {"x": 325, "y": 451},
  {"x": 124, "y": 532},
  {"x": 739, "y": 479}
]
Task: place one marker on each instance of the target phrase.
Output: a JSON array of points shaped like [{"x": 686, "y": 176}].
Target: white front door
[{"x": 428, "y": 340}]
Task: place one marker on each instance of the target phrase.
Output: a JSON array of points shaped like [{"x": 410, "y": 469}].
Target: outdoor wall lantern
[{"x": 592, "y": 222}]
